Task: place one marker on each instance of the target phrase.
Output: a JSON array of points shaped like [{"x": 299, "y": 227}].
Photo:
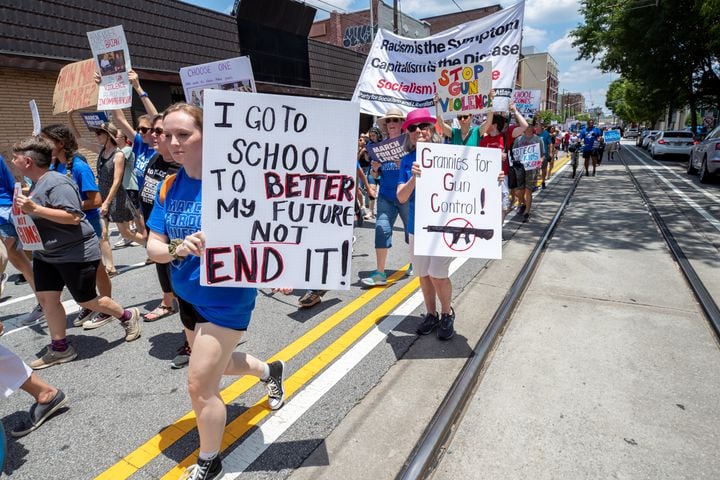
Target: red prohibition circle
[{"x": 460, "y": 246}]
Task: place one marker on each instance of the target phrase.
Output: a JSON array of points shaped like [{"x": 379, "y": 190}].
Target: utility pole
[{"x": 395, "y": 16}]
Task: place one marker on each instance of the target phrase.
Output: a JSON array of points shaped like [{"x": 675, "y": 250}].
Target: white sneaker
[
  {"x": 122, "y": 243},
  {"x": 3, "y": 281}
]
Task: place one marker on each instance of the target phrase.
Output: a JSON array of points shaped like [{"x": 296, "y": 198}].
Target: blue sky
[{"x": 547, "y": 26}]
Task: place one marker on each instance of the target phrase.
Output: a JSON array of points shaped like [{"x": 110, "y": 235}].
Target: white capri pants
[
  {"x": 13, "y": 371},
  {"x": 436, "y": 267}
]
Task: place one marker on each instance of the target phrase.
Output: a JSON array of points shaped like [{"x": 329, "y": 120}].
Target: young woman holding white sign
[{"x": 215, "y": 318}]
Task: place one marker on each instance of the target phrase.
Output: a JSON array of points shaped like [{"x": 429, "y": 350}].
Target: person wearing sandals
[
  {"x": 215, "y": 318},
  {"x": 16, "y": 374},
  {"x": 158, "y": 168},
  {"x": 71, "y": 253},
  {"x": 389, "y": 208},
  {"x": 67, "y": 162}
]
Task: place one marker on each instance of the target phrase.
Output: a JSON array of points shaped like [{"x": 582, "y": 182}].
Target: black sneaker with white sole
[
  {"x": 274, "y": 385},
  {"x": 204, "y": 470},
  {"x": 428, "y": 324}
]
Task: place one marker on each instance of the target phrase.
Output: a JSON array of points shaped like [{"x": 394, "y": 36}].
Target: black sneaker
[
  {"x": 274, "y": 385},
  {"x": 183, "y": 356},
  {"x": 204, "y": 470},
  {"x": 521, "y": 209},
  {"x": 428, "y": 324},
  {"x": 20, "y": 279},
  {"x": 543, "y": 185},
  {"x": 446, "y": 330}
]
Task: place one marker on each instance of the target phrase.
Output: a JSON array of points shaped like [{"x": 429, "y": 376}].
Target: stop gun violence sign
[{"x": 458, "y": 203}]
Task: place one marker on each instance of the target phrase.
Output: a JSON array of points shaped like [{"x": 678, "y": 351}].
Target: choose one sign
[
  {"x": 458, "y": 203},
  {"x": 75, "y": 87},
  {"x": 111, "y": 54},
  {"x": 464, "y": 89},
  {"x": 278, "y": 190},
  {"x": 233, "y": 74}
]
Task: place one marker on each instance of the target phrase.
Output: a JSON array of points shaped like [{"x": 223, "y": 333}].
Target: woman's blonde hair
[{"x": 195, "y": 112}]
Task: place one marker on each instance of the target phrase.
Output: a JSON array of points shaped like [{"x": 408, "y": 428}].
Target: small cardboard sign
[
  {"x": 233, "y": 74},
  {"x": 464, "y": 89},
  {"x": 111, "y": 54},
  {"x": 75, "y": 87},
  {"x": 278, "y": 190},
  {"x": 26, "y": 229},
  {"x": 458, "y": 203}
]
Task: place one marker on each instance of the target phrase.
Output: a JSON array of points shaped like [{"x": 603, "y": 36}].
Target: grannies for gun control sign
[
  {"x": 458, "y": 203},
  {"x": 278, "y": 190},
  {"x": 401, "y": 72}
]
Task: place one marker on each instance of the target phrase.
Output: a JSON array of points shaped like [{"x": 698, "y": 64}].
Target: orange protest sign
[{"x": 75, "y": 87}]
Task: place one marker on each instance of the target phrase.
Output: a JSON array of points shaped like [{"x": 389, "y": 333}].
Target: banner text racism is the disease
[
  {"x": 278, "y": 190},
  {"x": 401, "y": 71}
]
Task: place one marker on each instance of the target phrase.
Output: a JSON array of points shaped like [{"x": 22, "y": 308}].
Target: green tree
[{"x": 664, "y": 50}]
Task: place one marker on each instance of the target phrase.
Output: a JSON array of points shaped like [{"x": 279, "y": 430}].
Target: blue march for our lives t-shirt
[
  {"x": 405, "y": 176},
  {"x": 178, "y": 217},
  {"x": 85, "y": 180},
  {"x": 143, "y": 153}
]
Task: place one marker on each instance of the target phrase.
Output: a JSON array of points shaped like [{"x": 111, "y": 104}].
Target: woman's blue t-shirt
[
  {"x": 177, "y": 217},
  {"x": 7, "y": 189},
  {"x": 85, "y": 180},
  {"x": 405, "y": 176}
]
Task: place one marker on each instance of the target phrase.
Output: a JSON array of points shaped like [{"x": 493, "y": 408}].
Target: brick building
[
  {"x": 539, "y": 71},
  {"x": 39, "y": 37}
]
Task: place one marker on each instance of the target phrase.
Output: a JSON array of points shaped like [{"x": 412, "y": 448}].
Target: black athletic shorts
[
  {"x": 78, "y": 277},
  {"x": 190, "y": 317}
]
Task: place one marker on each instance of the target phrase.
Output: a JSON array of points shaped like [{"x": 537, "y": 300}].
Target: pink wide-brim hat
[{"x": 421, "y": 115}]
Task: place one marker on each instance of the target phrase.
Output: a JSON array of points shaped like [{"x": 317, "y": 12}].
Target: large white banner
[
  {"x": 111, "y": 54},
  {"x": 278, "y": 190},
  {"x": 458, "y": 203},
  {"x": 400, "y": 72},
  {"x": 231, "y": 74}
]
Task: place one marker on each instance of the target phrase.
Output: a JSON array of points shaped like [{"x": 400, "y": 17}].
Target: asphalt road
[{"x": 129, "y": 414}]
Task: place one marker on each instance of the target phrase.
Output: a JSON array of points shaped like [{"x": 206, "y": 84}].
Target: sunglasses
[
  {"x": 393, "y": 120},
  {"x": 157, "y": 130},
  {"x": 144, "y": 130},
  {"x": 463, "y": 117},
  {"x": 421, "y": 126}
]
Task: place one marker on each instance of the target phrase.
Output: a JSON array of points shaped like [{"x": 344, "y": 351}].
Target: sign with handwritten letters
[
  {"x": 278, "y": 190},
  {"x": 529, "y": 155},
  {"x": 112, "y": 57},
  {"x": 401, "y": 72},
  {"x": 75, "y": 87},
  {"x": 527, "y": 102},
  {"x": 458, "y": 203},
  {"x": 26, "y": 229},
  {"x": 232, "y": 74},
  {"x": 464, "y": 89}
]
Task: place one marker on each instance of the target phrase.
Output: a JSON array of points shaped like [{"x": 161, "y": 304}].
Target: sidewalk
[{"x": 608, "y": 369}]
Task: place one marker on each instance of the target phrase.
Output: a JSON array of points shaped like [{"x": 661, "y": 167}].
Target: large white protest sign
[
  {"x": 112, "y": 57},
  {"x": 232, "y": 74},
  {"x": 458, "y": 204},
  {"x": 278, "y": 190},
  {"x": 24, "y": 225},
  {"x": 527, "y": 102},
  {"x": 401, "y": 71},
  {"x": 464, "y": 89}
]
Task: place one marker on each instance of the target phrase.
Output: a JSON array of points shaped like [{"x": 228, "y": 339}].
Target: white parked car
[
  {"x": 705, "y": 156},
  {"x": 631, "y": 133},
  {"x": 649, "y": 138},
  {"x": 672, "y": 142}
]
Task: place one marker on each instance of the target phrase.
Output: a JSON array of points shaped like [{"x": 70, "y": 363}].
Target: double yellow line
[{"x": 149, "y": 450}]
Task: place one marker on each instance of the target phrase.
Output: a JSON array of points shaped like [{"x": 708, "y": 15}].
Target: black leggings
[{"x": 163, "y": 274}]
